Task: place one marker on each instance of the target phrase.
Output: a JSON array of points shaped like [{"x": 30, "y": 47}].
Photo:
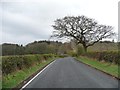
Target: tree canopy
[{"x": 82, "y": 29}]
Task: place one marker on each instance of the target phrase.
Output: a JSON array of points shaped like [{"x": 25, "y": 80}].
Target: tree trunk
[{"x": 85, "y": 48}]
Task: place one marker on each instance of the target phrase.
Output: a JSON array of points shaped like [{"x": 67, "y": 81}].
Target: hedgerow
[
  {"x": 111, "y": 57},
  {"x": 13, "y": 63}
]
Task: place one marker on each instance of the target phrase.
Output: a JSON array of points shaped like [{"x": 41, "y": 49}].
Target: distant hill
[
  {"x": 12, "y": 49},
  {"x": 36, "y": 47},
  {"x": 104, "y": 46},
  {"x": 53, "y": 47}
]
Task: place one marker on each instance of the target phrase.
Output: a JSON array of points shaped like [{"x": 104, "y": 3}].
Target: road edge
[
  {"x": 28, "y": 80},
  {"x": 98, "y": 69},
  {"x": 37, "y": 74}
]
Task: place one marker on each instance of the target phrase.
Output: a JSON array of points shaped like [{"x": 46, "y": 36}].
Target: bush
[
  {"x": 111, "y": 57},
  {"x": 80, "y": 50},
  {"x": 13, "y": 63},
  {"x": 72, "y": 53}
]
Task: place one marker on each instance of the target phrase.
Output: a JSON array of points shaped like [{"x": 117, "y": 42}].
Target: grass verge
[
  {"x": 111, "y": 69},
  {"x": 13, "y": 79}
]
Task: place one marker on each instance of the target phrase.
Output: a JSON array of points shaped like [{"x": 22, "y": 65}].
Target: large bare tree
[{"x": 84, "y": 30}]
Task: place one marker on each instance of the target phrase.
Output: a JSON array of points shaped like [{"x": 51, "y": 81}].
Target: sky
[{"x": 24, "y": 21}]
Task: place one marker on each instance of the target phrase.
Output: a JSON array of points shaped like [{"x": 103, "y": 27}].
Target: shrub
[
  {"x": 72, "y": 53},
  {"x": 13, "y": 63},
  {"x": 111, "y": 57},
  {"x": 80, "y": 50}
]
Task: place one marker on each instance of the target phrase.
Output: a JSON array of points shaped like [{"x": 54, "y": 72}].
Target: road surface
[{"x": 69, "y": 73}]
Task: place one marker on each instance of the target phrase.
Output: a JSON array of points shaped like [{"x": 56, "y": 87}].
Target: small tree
[{"x": 84, "y": 30}]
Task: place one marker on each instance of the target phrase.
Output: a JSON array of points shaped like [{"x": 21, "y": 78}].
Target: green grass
[
  {"x": 13, "y": 79},
  {"x": 104, "y": 66}
]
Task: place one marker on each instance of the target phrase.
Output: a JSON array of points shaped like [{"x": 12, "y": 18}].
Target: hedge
[
  {"x": 112, "y": 57},
  {"x": 13, "y": 63}
]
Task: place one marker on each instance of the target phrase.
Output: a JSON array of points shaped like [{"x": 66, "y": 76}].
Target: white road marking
[{"x": 37, "y": 75}]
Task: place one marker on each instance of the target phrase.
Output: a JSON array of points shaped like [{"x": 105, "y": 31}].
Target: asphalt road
[{"x": 69, "y": 73}]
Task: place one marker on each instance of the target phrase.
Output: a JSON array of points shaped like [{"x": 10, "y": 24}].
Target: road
[{"x": 69, "y": 73}]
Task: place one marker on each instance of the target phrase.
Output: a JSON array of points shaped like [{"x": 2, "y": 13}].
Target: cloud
[
  {"x": 25, "y": 20},
  {"x": 16, "y": 26},
  {"x": 21, "y": 24}
]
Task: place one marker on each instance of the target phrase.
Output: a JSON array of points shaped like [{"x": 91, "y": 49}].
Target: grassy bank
[
  {"x": 109, "y": 68},
  {"x": 13, "y": 79}
]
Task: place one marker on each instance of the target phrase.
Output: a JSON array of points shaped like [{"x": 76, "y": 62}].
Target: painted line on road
[{"x": 37, "y": 75}]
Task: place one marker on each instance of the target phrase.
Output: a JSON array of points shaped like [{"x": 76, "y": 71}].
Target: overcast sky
[{"x": 24, "y": 21}]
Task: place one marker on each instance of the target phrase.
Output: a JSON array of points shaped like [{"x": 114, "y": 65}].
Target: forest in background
[
  {"x": 55, "y": 47},
  {"x": 36, "y": 47}
]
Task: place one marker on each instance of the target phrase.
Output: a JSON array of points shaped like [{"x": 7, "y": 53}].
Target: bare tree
[{"x": 84, "y": 30}]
